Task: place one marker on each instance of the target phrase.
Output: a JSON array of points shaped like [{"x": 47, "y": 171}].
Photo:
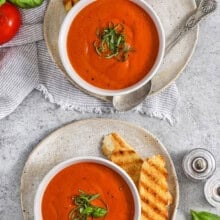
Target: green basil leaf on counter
[
  {"x": 26, "y": 3},
  {"x": 204, "y": 216},
  {"x": 2, "y": 2}
]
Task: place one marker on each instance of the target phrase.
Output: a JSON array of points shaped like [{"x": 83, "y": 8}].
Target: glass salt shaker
[
  {"x": 212, "y": 190},
  {"x": 199, "y": 164}
]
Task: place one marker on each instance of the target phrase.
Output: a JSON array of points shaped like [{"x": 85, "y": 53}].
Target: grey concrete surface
[{"x": 198, "y": 125}]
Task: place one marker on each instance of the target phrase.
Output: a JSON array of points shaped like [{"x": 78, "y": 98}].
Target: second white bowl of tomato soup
[
  {"x": 111, "y": 47},
  {"x": 87, "y": 188}
]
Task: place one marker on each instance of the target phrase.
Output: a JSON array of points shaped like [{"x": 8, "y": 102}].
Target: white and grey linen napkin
[{"x": 26, "y": 65}]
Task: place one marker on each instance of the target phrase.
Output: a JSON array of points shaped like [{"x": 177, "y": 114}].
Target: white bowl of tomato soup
[
  {"x": 87, "y": 188},
  {"x": 111, "y": 47}
]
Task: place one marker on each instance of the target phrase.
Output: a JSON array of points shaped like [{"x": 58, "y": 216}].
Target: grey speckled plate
[
  {"x": 84, "y": 138},
  {"x": 171, "y": 12}
]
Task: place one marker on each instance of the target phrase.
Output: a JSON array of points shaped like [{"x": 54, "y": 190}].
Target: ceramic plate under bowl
[
  {"x": 171, "y": 12},
  {"x": 83, "y": 138}
]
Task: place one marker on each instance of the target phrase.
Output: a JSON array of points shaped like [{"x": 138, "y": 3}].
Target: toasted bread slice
[
  {"x": 68, "y": 4},
  {"x": 153, "y": 189},
  {"x": 122, "y": 154}
]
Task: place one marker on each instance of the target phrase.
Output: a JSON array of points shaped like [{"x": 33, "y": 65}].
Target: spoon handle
[{"x": 205, "y": 7}]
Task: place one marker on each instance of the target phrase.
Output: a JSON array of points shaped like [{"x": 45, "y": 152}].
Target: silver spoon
[
  {"x": 205, "y": 7},
  {"x": 133, "y": 99}
]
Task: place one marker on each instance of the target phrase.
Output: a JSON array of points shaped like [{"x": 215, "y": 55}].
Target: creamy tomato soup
[
  {"x": 140, "y": 34},
  {"x": 91, "y": 178}
]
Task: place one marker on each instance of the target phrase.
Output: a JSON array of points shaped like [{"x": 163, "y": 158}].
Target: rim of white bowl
[
  {"x": 59, "y": 167},
  {"x": 89, "y": 87}
]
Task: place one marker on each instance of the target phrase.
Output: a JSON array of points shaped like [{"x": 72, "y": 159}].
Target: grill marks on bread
[
  {"x": 153, "y": 189},
  {"x": 122, "y": 154}
]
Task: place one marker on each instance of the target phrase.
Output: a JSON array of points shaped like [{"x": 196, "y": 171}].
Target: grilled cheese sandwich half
[
  {"x": 122, "y": 154},
  {"x": 153, "y": 189}
]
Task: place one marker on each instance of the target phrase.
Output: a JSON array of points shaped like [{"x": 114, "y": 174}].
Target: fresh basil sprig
[
  {"x": 26, "y": 3},
  {"x": 204, "y": 216},
  {"x": 112, "y": 42},
  {"x": 84, "y": 208}
]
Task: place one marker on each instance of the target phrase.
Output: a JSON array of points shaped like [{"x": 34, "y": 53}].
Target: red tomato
[{"x": 10, "y": 21}]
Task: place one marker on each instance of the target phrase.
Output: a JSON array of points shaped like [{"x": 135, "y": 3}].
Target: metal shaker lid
[
  {"x": 199, "y": 164},
  {"x": 212, "y": 191}
]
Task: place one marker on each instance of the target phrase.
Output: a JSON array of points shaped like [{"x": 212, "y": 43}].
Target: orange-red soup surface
[
  {"x": 140, "y": 32},
  {"x": 92, "y": 178}
]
